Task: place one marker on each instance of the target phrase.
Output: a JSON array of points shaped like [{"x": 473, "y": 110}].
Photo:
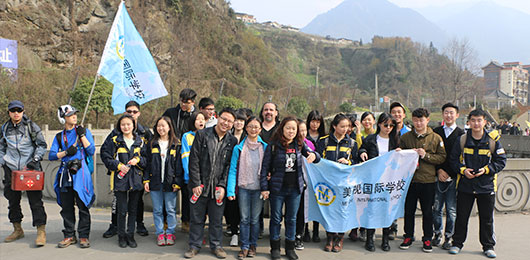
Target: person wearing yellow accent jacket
[{"x": 478, "y": 163}]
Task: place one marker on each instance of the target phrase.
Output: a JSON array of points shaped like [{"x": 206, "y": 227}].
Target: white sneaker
[{"x": 234, "y": 241}]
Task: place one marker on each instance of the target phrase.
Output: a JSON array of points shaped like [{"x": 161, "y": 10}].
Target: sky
[{"x": 299, "y": 13}]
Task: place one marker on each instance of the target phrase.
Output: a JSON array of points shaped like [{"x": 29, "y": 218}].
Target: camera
[{"x": 73, "y": 166}]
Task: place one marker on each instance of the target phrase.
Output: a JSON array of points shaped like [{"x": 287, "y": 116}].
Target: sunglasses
[
  {"x": 388, "y": 125},
  {"x": 16, "y": 109},
  {"x": 132, "y": 111}
]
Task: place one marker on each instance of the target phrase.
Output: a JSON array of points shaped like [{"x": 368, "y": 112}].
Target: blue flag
[
  {"x": 370, "y": 195},
  {"x": 128, "y": 64}
]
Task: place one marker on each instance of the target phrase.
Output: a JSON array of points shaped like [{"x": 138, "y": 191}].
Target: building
[
  {"x": 510, "y": 78},
  {"x": 246, "y": 18}
]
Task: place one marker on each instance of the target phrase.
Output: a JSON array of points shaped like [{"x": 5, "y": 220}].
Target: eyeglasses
[
  {"x": 253, "y": 127},
  {"x": 388, "y": 125},
  {"x": 226, "y": 120},
  {"x": 16, "y": 110},
  {"x": 132, "y": 111}
]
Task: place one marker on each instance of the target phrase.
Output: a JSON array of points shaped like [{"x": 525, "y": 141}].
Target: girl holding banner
[
  {"x": 339, "y": 147},
  {"x": 385, "y": 139},
  {"x": 283, "y": 160}
]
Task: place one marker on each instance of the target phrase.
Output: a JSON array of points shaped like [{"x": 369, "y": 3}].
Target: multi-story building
[{"x": 510, "y": 78}]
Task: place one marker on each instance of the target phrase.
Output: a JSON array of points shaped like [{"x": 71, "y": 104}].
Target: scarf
[{"x": 245, "y": 163}]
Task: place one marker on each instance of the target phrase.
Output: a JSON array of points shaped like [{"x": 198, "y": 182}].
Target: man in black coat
[
  {"x": 446, "y": 185},
  {"x": 181, "y": 114},
  {"x": 208, "y": 169}
]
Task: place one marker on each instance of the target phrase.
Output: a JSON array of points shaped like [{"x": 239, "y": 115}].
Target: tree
[
  {"x": 462, "y": 70},
  {"x": 298, "y": 106},
  {"x": 507, "y": 112},
  {"x": 101, "y": 98},
  {"x": 346, "y": 107},
  {"x": 229, "y": 101}
]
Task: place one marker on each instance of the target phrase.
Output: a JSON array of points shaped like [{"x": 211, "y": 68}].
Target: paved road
[{"x": 512, "y": 236}]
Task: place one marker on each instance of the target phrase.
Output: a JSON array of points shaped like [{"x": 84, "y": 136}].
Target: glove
[
  {"x": 33, "y": 165},
  {"x": 72, "y": 150},
  {"x": 81, "y": 131}
]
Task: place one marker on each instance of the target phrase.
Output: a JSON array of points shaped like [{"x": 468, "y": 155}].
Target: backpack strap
[{"x": 493, "y": 136}]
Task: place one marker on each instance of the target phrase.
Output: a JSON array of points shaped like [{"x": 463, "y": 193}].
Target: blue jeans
[
  {"x": 291, "y": 198},
  {"x": 169, "y": 199},
  {"x": 445, "y": 194},
  {"x": 249, "y": 209}
]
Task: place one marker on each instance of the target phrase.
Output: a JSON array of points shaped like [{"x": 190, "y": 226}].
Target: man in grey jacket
[{"x": 22, "y": 145}]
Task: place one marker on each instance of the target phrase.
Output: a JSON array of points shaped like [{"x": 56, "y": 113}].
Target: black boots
[
  {"x": 130, "y": 241},
  {"x": 369, "y": 245},
  {"x": 122, "y": 241},
  {"x": 316, "y": 238},
  {"x": 275, "y": 249},
  {"x": 289, "y": 250},
  {"x": 386, "y": 236}
]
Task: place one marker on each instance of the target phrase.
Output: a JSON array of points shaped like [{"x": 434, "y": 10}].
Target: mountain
[
  {"x": 496, "y": 32},
  {"x": 363, "y": 19}
]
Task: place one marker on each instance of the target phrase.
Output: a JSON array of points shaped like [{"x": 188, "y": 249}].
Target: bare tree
[{"x": 463, "y": 69}]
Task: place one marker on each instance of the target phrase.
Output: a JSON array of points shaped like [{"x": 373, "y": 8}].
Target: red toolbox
[{"x": 27, "y": 180}]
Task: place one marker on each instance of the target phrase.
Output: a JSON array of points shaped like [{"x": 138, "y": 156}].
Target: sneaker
[
  {"x": 437, "y": 240},
  {"x": 242, "y": 254},
  {"x": 427, "y": 246},
  {"x": 219, "y": 253},
  {"x": 67, "y": 241},
  {"x": 112, "y": 231},
  {"x": 490, "y": 253},
  {"x": 454, "y": 250},
  {"x": 298, "y": 244},
  {"x": 84, "y": 243},
  {"x": 170, "y": 239},
  {"x": 141, "y": 230},
  {"x": 446, "y": 245},
  {"x": 191, "y": 253},
  {"x": 406, "y": 243},
  {"x": 161, "y": 240},
  {"x": 234, "y": 241},
  {"x": 252, "y": 251}
]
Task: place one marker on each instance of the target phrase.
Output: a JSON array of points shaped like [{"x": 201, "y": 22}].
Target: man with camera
[
  {"x": 22, "y": 145},
  {"x": 73, "y": 182}
]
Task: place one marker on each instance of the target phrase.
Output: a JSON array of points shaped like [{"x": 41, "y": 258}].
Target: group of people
[
  {"x": 507, "y": 128},
  {"x": 229, "y": 163}
]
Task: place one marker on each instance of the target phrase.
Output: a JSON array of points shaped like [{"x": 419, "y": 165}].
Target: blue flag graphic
[
  {"x": 128, "y": 64},
  {"x": 370, "y": 195}
]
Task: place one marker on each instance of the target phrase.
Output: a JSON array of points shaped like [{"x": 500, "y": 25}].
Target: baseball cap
[{"x": 15, "y": 104}]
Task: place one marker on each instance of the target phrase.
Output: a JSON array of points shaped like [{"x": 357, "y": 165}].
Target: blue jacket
[
  {"x": 274, "y": 162},
  {"x": 231, "y": 187},
  {"x": 187, "y": 141},
  {"x": 82, "y": 180}
]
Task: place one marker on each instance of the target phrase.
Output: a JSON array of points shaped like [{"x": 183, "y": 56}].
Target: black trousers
[
  {"x": 15, "y": 211},
  {"x": 464, "y": 205},
  {"x": 139, "y": 210},
  {"x": 68, "y": 200},
  {"x": 198, "y": 212},
  {"x": 185, "y": 203},
  {"x": 425, "y": 193},
  {"x": 232, "y": 215},
  {"x": 126, "y": 207}
]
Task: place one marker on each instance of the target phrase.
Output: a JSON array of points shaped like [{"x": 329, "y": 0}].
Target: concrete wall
[{"x": 513, "y": 192}]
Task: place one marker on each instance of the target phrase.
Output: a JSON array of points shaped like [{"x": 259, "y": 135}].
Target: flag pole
[{"x": 89, "y": 97}]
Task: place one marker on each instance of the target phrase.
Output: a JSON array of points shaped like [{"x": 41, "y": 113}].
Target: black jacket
[
  {"x": 477, "y": 156},
  {"x": 115, "y": 147},
  {"x": 370, "y": 147},
  {"x": 274, "y": 162},
  {"x": 204, "y": 153},
  {"x": 333, "y": 150},
  {"x": 449, "y": 143},
  {"x": 180, "y": 119},
  {"x": 173, "y": 172}
]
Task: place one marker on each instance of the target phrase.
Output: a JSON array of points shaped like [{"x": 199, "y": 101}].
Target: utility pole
[
  {"x": 222, "y": 86},
  {"x": 376, "y": 94},
  {"x": 258, "y": 100},
  {"x": 316, "y": 82}
]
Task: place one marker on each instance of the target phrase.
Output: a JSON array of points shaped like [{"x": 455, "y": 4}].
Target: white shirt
[
  {"x": 448, "y": 130},
  {"x": 382, "y": 144},
  {"x": 163, "y": 153}
]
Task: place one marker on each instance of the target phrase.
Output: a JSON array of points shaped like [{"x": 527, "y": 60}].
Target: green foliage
[
  {"x": 298, "y": 106},
  {"x": 101, "y": 98},
  {"x": 229, "y": 101},
  {"x": 346, "y": 107},
  {"x": 507, "y": 112}
]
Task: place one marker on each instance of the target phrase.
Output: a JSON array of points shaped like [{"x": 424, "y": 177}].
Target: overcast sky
[{"x": 299, "y": 13}]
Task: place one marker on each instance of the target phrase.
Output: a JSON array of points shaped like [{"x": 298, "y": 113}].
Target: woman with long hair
[
  {"x": 385, "y": 139},
  {"x": 163, "y": 177},
  {"x": 121, "y": 155},
  {"x": 316, "y": 127},
  {"x": 244, "y": 182},
  {"x": 339, "y": 147},
  {"x": 367, "y": 122},
  {"x": 283, "y": 160}
]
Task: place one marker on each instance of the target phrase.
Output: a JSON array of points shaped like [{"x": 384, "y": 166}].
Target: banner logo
[{"x": 324, "y": 194}]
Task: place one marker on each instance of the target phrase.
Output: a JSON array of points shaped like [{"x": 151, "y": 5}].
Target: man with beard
[{"x": 270, "y": 117}]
